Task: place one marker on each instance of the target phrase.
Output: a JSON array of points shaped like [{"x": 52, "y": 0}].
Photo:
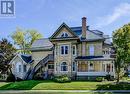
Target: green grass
[{"x": 50, "y": 85}]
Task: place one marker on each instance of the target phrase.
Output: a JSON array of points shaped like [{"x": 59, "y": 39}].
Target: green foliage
[
  {"x": 6, "y": 54},
  {"x": 121, "y": 43},
  {"x": 25, "y": 38},
  {"x": 62, "y": 79},
  {"x": 99, "y": 79},
  {"x": 11, "y": 78}
]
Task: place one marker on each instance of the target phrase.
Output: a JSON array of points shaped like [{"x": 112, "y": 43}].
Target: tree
[
  {"x": 25, "y": 38},
  {"x": 6, "y": 54},
  {"x": 121, "y": 43}
]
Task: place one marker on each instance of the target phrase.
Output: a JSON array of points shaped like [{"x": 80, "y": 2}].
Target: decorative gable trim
[{"x": 63, "y": 25}]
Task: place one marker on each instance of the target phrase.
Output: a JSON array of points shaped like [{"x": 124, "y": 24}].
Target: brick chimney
[{"x": 84, "y": 27}]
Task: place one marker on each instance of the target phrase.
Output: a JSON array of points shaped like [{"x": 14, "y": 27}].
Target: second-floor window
[
  {"x": 74, "y": 49},
  {"x": 64, "y": 49},
  {"x": 91, "y": 50}
]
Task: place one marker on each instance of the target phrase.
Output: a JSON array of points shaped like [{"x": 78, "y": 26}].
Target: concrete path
[{"x": 45, "y": 91}]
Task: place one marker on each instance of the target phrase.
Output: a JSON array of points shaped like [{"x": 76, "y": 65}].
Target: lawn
[{"x": 50, "y": 85}]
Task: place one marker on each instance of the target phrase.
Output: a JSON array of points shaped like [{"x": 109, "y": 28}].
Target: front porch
[{"x": 95, "y": 68}]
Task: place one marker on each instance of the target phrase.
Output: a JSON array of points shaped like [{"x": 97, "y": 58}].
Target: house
[{"x": 75, "y": 51}]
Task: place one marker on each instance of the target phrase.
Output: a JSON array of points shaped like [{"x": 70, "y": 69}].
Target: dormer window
[{"x": 64, "y": 34}]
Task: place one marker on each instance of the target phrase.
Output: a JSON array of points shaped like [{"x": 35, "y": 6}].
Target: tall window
[
  {"x": 20, "y": 68},
  {"x": 74, "y": 50},
  {"x": 91, "y": 50},
  {"x": 24, "y": 68},
  {"x": 64, "y": 34},
  {"x": 64, "y": 49},
  {"x": 74, "y": 66},
  {"x": 64, "y": 66}
]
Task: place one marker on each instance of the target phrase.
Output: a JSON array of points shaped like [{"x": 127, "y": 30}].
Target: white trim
[
  {"x": 64, "y": 45},
  {"x": 75, "y": 50},
  {"x": 66, "y": 65}
]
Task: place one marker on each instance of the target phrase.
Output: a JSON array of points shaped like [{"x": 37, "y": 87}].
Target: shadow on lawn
[
  {"x": 22, "y": 85},
  {"x": 114, "y": 86}
]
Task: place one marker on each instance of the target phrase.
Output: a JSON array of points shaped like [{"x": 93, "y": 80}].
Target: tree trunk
[{"x": 118, "y": 77}]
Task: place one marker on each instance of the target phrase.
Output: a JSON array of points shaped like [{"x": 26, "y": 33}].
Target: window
[
  {"x": 19, "y": 68},
  {"x": 74, "y": 50},
  {"x": 64, "y": 66},
  {"x": 64, "y": 49},
  {"x": 91, "y": 50},
  {"x": 74, "y": 66},
  {"x": 24, "y": 68},
  {"x": 50, "y": 66},
  {"x": 64, "y": 34}
]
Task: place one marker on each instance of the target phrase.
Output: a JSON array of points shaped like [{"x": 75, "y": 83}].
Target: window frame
[
  {"x": 62, "y": 67},
  {"x": 73, "y": 66},
  {"x": 74, "y": 50},
  {"x": 63, "y": 49},
  {"x": 50, "y": 65},
  {"x": 91, "y": 50}
]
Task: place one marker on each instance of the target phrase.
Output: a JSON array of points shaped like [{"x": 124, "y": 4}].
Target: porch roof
[{"x": 93, "y": 58}]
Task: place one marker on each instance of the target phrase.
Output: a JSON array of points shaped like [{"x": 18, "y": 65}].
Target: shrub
[
  {"x": 62, "y": 79},
  {"x": 108, "y": 77},
  {"x": 99, "y": 79},
  {"x": 10, "y": 78}
]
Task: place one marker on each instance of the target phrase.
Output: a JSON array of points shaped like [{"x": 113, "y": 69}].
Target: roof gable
[
  {"x": 65, "y": 29},
  {"x": 24, "y": 58}
]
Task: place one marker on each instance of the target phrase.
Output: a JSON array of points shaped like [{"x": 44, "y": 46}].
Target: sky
[{"x": 46, "y": 16}]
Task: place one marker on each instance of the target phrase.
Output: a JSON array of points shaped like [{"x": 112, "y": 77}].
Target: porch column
[
  {"x": 101, "y": 65},
  {"x": 77, "y": 66},
  {"x": 105, "y": 67},
  {"x": 88, "y": 65}
]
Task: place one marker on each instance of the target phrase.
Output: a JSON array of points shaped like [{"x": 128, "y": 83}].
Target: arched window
[{"x": 64, "y": 66}]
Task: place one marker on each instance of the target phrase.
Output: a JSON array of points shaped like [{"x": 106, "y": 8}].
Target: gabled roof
[
  {"x": 63, "y": 25},
  {"x": 26, "y": 58},
  {"x": 42, "y": 44}
]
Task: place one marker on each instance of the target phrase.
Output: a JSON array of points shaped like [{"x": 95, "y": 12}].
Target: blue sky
[{"x": 47, "y": 15}]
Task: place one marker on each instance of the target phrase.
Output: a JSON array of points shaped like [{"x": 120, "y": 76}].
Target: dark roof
[
  {"x": 88, "y": 57},
  {"x": 27, "y": 58},
  {"x": 92, "y": 35},
  {"x": 41, "y": 44}
]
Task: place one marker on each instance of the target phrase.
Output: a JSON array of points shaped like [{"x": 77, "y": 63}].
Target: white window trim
[
  {"x": 75, "y": 50},
  {"x": 66, "y": 65},
  {"x": 50, "y": 64},
  {"x": 64, "y": 50},
  {"x": 74, "y": 66}
]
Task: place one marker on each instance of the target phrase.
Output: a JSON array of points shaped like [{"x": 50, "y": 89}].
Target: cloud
[{"x": 121, "y": 10}]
